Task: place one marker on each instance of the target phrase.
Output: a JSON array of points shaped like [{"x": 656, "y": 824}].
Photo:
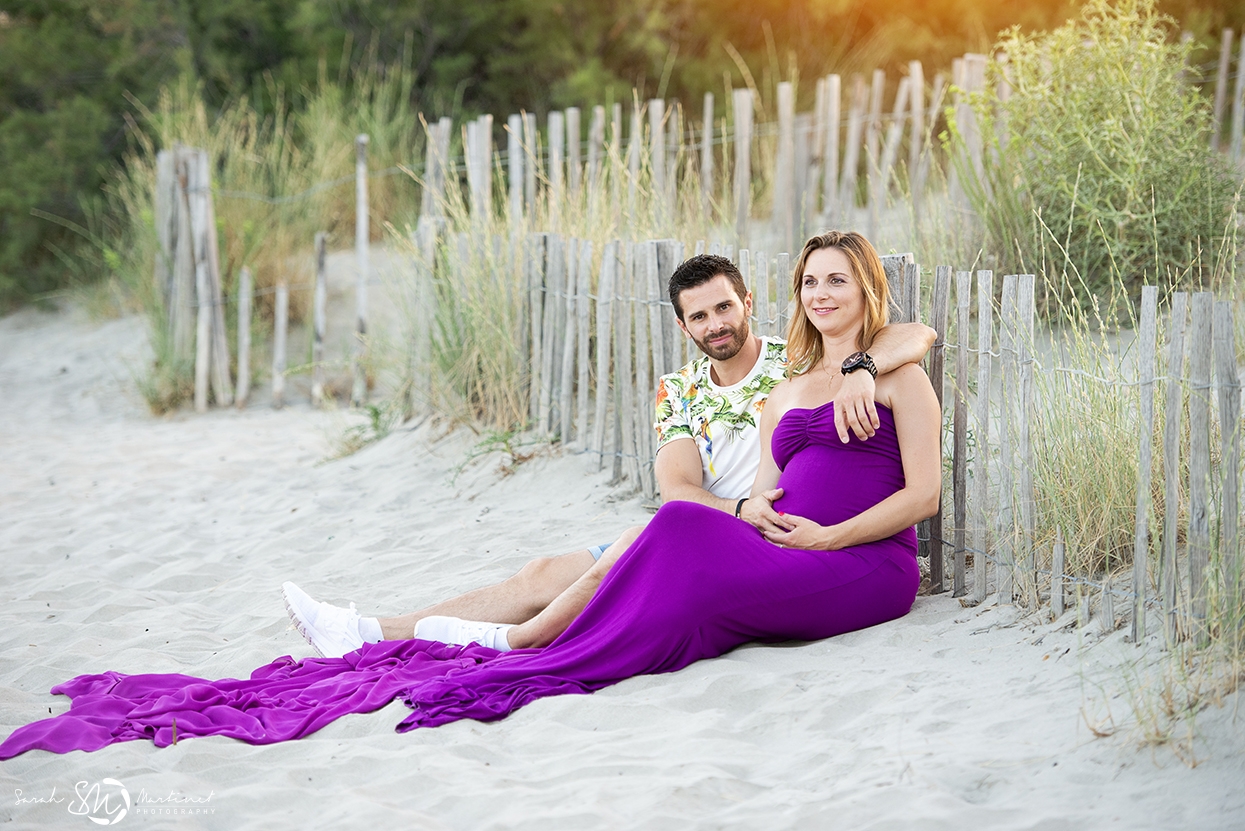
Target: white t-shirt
[{"x": 725, "y": 422}]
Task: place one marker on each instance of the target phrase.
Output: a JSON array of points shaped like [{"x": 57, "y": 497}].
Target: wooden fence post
[
  {"x": 981, "y": 479},
  {"x": 1171, "y": 461},
  {"x": 742, "y": 106},
  {"x": 555, "y": 269},
  {"x": 669, "y": 254},
  {"x": 657, "y": 159},
  {"x": 1147, "y": 335},
  {"x": 569, "y": 318},
  {"x": 1008, "y": 324},
  {"x": 165, "y": 215},
  {"x": 534, "y": 265},
  {"x": 245, "y": 288},
  {"x": 1238, "y": 107},
  {"x": 596, "y": 147},
  {"x": 222, "y": 384},
  {"x": 1200, "y": 354},
  {"x": 422, "y": 386},
  {"x": 361, "y": 240},
  {"x": 281, "y": 318},
  {"x": 203, "y": 296},
  {"x": 706, "y": 159},
  {"x": 623, "y": 381},
  {"x": 955, "y": 190},
  {"x": 873, "y": 137},
  {"x": 674, "y": 155},
  {"x": 1230, "y": 458},
  {"x": 959, "y": 464},
  {"x": 320, "y": 321},
  {"x": 531, "y": 164},
  {"x": 916, "y": 90},
  {"x": 605, "y": 300},
  {"x": 514, "y": 170},
  {"x": 574, "y": 172},
  {"x": 555, "y": 170},
  {"x": 182, "y": 285},
  {"x": 652, "y": 295},
  {"x": 784, "y": 168},
  {"x": 1024, "y": 444},
  {"x": 912, "y": 295},
  {"x": 1221, "y": 89},
  {"x": 782, "y": 278},
  {"x": 939, "y": 310},
  {"x": 643, "y": 366},
  {"x": 582, "y": 312},
  {"x": 760, "y": 292},
  {"x": 890, "y": 149},
  {"x": 851, "y": 150},
  {"x": 830, "y": 157},
  {"x": 1057, "y": 561}
]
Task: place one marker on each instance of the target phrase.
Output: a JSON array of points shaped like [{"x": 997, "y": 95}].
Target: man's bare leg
[
  {"x": 514, "y": 600},
  {"x": 544, "y": 627}
]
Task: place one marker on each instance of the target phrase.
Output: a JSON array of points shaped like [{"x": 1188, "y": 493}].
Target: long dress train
[{"x": 695, "y": 584}]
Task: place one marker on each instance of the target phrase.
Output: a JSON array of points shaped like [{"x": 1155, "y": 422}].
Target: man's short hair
[{"x": 699, "y": 270}]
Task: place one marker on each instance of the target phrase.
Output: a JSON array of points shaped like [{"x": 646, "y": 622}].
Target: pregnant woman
[{"x": 696, "y": 583}]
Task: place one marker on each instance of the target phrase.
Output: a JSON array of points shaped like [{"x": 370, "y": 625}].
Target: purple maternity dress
[{"x": 697, "y": 583}]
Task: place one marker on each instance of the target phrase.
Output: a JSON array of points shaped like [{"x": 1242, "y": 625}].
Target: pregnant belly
[{"x": 829, "y": 485}]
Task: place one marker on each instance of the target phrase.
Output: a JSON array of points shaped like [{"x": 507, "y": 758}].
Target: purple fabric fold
[
  {"x": 695, "y": 584},
  {"x": 283, "y": 700}
]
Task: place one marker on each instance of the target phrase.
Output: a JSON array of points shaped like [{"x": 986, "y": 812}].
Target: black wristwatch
[{"x": 859, "y": 360}]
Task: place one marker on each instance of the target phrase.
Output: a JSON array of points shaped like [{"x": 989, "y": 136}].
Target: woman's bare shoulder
[
  {"x": 907, "y": 380},
  {"x": 781, "y": 398}
]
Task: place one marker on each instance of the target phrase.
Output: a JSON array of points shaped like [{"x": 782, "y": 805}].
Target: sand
[{"x": 145, "y": 544}]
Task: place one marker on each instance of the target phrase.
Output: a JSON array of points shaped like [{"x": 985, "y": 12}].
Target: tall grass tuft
[
  {"x": 1101, "y": 162},
  {"x": 277, "y": 180}
]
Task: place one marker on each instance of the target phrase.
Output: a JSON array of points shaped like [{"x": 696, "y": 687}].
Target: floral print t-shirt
[{"x": 725, "y": 422}]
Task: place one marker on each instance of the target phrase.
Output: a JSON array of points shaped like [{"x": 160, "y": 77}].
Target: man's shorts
[{"x": 597, "y": 550}]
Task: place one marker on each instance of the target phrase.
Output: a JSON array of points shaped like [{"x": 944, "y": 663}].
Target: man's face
[{"x": 715, "y": 318}]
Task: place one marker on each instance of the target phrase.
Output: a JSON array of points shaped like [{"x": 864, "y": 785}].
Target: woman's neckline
[{"x": 829, "y": 403}]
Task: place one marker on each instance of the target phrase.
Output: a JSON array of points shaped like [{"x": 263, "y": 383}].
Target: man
[{"x": 708, "y": 424}]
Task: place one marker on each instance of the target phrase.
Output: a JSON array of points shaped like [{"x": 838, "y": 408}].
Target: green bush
[{"x": 1101, "y": 163}]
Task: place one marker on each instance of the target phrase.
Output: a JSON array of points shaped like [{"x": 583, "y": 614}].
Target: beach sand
[{"x": 144, "y": 544}]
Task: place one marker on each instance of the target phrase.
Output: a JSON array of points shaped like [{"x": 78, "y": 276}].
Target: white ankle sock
[
  {"x": 496, "y": 639},
  {"x": 369, "y": 630}
]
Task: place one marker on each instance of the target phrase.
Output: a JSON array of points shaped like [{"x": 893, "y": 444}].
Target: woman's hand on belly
[{"x": 804, "y": 534}]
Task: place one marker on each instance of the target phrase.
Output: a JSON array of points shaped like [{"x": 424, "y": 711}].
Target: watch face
[{"x": 858, "y": 360}]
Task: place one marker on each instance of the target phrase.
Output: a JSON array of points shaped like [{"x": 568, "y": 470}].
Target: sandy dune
[{"x": 158, "y": 545}]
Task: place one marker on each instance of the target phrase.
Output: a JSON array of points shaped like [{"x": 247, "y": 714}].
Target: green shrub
[{"x": 1101, "y": 162}]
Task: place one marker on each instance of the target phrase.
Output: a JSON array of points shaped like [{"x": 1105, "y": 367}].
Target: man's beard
[{"x": 728, "y": 350}]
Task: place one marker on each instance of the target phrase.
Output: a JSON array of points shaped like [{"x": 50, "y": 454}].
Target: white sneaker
[
  {"x": 331, "y": 630},
  {"x": 459, "y": 632}
]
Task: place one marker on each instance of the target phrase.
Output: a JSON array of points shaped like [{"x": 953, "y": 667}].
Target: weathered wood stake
[
  {"x": 981, "y": 478},
  {"x": 1229, "y": 385},
  {"x": 280, "y": 324},
  {"x": 362, "y": 237},
  {"x": 1146, "y": 338},
  {"x": 245, "y": 288},
  {"x": 1057, "y": 560},
  {"x": 1174, "y": 407},
  {"x": 959, "y": 459},
  {"x": 1200, "y": 354}
]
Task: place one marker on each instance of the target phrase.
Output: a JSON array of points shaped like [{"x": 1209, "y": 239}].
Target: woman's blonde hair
[{"x": 804, "y": 349}]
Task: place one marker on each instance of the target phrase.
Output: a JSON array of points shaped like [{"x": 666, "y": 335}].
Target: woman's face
[{"x": 831, "y": 295}]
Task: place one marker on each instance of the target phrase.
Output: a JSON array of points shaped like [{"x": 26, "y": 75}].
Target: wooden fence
[{"x": 597, "y": 328}]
